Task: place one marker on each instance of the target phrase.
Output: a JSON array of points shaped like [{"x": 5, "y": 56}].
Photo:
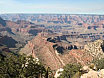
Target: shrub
[
  {"x": 99, "y": 63},
  {"x": 70, "y": 70}
]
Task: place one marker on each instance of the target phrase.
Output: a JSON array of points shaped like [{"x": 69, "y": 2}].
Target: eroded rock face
[
  {"x": 57, "y": 54},
  {"x": 22, "y": 26},
  {"x": 81, "y": 20},
  {"x": 2, "y": 22},
  {"x": 91, "y": 72},
  {"x": 60, "y": 45},
  {"x": 77, "y": 56},
  {"x": 44, "y": 50},
  {"x": 94, "y": 74},
  {"x": 20, "y": 31},
  {"x": 5, "y": 45},
  {"x": 8, "y": 41},
  {"x": 52, "y": 54},
  {"x": 95, "y": 48}
]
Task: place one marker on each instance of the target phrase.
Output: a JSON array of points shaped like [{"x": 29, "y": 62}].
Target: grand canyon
[{"x": 54, "y": 39}]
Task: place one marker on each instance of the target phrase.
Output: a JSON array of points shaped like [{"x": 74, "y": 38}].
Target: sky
[{"x": 52, "y": 6}]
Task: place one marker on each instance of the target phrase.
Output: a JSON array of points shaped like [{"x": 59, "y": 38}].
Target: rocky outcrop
[
  {"x": 95, "y": 49},
  {"x": 94, "y": 74},
  {"x": 54, "y": 55},
  {"x": 8, "y": 41},
  {"x": 90, "y": 73},
  {"x": 21, "y": 31},
  {"x": 2, "y": 22},
  {"x": 4, "y": 44},
  {"x": 58, "y": 72},
  {"x": 41, "y": 48},
  {"x": 77, "y": 56}
]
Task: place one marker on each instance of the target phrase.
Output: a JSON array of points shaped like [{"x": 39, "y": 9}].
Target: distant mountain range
[
  {"x": 72, "y": 19},
  {"x": 16, "y": 34}
]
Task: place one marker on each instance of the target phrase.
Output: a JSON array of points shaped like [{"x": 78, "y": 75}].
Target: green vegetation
[
  {"x": 71, "y": 71},
  {"x": 99, "y": 63},
  {"x": 19, "y": 66}
]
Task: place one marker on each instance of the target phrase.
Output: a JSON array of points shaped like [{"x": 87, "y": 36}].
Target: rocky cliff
[
  {"x": 90, "y": 73},
  {"x": 41, "y": 48},
  {"x": 8, "y": 41},
  {"x": 2, "y": 22},
  {"x": 20, "y": 31},
  {"x": 47, "y": 52},
  {"x": 95, "y": 49}
]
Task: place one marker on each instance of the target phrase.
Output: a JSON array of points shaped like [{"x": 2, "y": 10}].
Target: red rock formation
[
  {"x": 81, "y": 56},
  {"x": 44, "y": 51},
  {"x": 41, "y": 48}
]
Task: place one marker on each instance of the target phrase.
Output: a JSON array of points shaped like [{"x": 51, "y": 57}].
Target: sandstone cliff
[
  {"x": 41, "y": 48},
  {"x": 47, "y": 52}
]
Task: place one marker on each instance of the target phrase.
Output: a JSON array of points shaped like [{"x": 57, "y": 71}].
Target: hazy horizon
[
  {"x": 52, "y": 7},
  {"x": 50, "y": 14}
]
